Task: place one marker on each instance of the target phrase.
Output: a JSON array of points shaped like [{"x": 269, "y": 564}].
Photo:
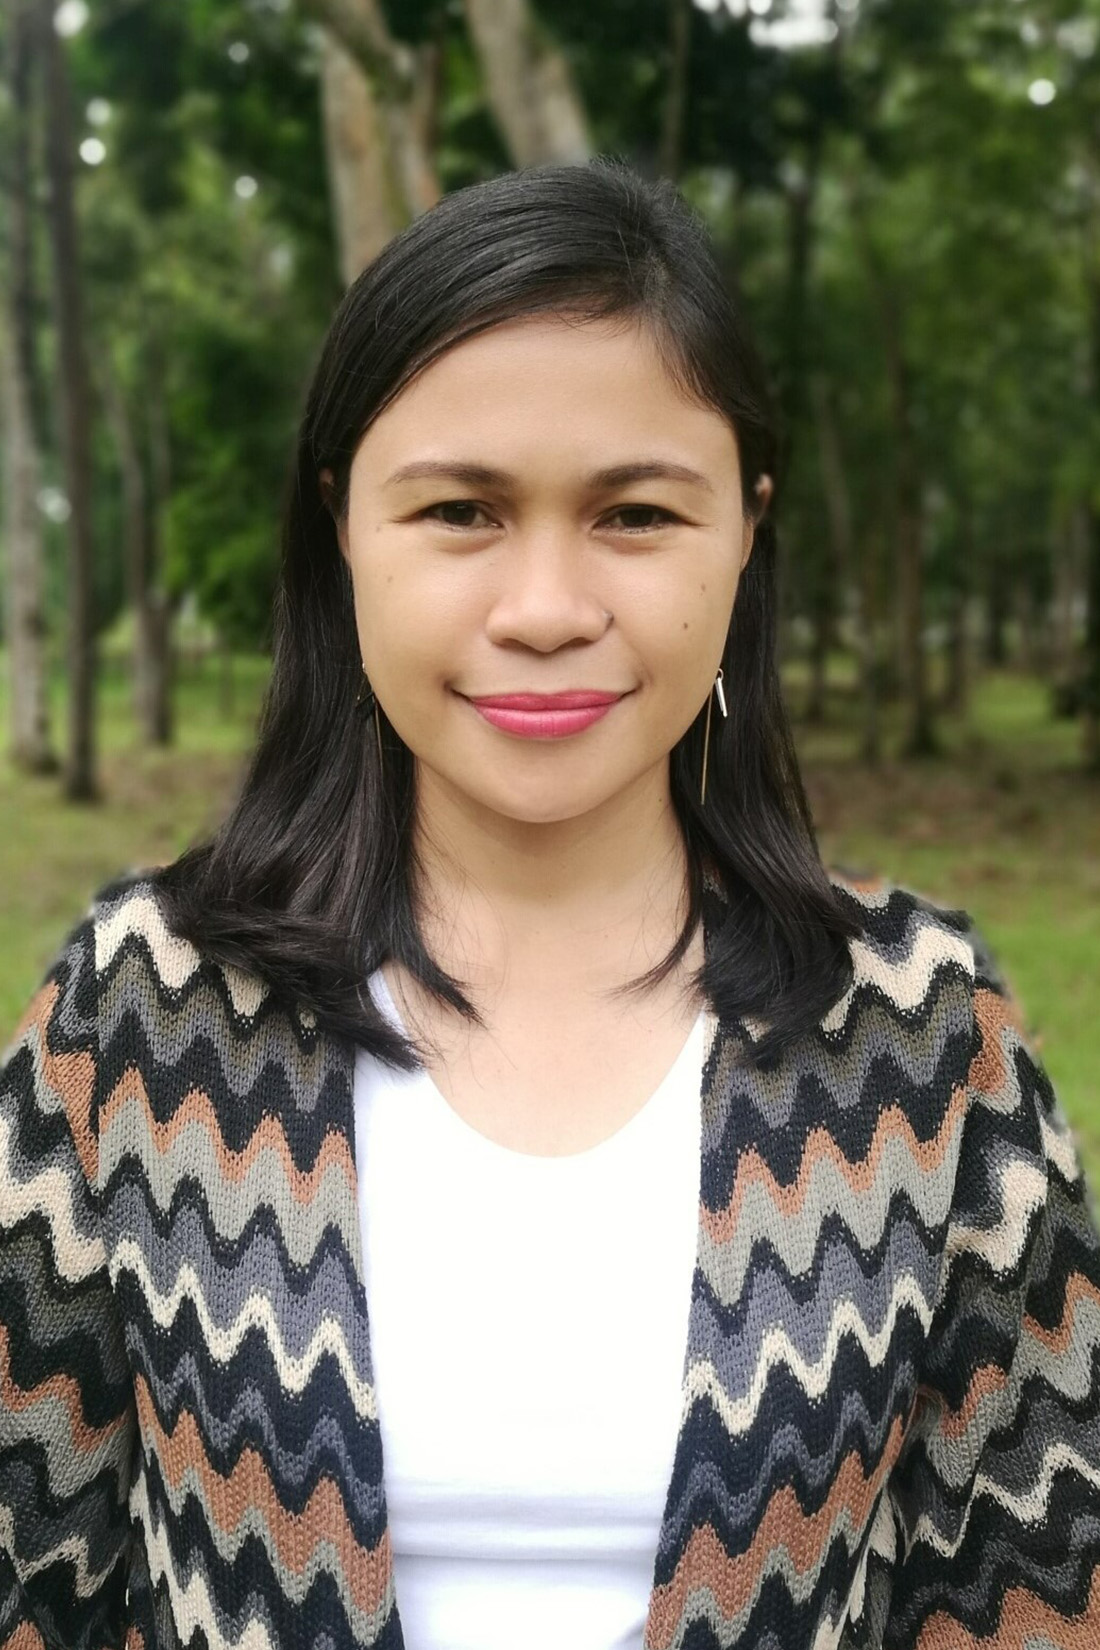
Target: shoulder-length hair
[{"x": 310, "y": 880}]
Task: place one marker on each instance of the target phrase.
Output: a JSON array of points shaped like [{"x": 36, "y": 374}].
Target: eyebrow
[{"x": 617, "y": 475}]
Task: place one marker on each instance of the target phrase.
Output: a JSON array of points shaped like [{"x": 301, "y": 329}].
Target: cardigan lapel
[
  {"x": 800, "y": 1375},
  {"x": 226, "y": 1167}
]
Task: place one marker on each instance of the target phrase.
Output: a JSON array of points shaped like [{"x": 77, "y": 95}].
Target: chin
[
  {"x": 554, "y": 807},
  {"x": 532, "y": 799}
]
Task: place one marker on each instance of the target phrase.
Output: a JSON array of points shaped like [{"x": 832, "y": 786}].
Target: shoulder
[
  {"x": 135, "y": 946},
  {"x": 130, "y": 921},
  {"x": 909, "y": 946},
  {"x": 930, "y": 972}
]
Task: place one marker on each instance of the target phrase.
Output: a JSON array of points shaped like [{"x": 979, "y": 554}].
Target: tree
[
  {"x": 378, "y": 98},
  {"x": 529, "y": 84},
  {"x": 25, "y": 592},
  {"x": 73, "y": 396}
]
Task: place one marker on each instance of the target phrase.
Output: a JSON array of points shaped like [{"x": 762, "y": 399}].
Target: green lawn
[
  {"x": 54, "y": 855},
  {"x": 1002, "y": 824}
]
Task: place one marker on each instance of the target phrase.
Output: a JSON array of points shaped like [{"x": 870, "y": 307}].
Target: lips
[
  {"x": 545, "y": 715},
  {"x": 577, "y": 699}
]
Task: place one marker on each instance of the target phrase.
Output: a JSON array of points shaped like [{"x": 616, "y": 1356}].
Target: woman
[{"x": 731, "y": 1276}]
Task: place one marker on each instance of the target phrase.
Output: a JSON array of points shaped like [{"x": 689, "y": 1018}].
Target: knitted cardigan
[{"x": 890, "y": 1424}]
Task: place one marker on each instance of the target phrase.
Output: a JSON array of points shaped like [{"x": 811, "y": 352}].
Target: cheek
[
  {"x": 692, "y": 623},
  {"x": 410, "y": 628}
]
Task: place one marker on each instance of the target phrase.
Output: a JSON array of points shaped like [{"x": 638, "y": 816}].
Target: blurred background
[{"x": 906, "y": 198}]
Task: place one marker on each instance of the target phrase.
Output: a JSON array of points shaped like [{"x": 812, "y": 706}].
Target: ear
[
  {"x": 324, "y": 481},
  {"x": 763, "y": 492}
]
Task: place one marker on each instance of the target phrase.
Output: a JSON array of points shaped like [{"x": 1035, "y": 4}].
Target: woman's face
[{"x": 543, "y": 511}]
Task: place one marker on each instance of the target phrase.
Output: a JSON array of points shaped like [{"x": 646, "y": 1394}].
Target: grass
[
  {"x": 53, "y": 854},
  {"x": 1002, "y": 823}
]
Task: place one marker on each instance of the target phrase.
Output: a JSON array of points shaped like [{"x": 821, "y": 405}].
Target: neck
[{"x": 574, "y": 904}]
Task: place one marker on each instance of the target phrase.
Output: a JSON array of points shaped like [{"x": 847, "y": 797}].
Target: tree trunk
[
  {"x": 1070, "y": 552},
  {"x": 73, "y": 398},
  {"x": 920, "y": 739},
  {"x": 821, "y": 637},
  {"x": 1027, "y": 628},
  {"x": 362, "y": 30},
  {"x": 1091, "y": 730},
  {"x": 871, "y": 739},
  {"x": 838, "y": 507},
  {"x": 956, "y": 692},
  {"x": 1090, "y": 751},
  {"x": 996, "y": 614},
  {"x": 366, "y": 200},
  {"x": 412, "y": 128},
  {"x": 838, "y": 559},
  {"x": 792, "y": 376},
  {"x": 801, "y": 199},
  {"x": 379, "y": 100},
  {"x": 25, "y": 598},
  {"x": 157, "y": 617},
  {"x": 680, "y": 13},
  {"x": 529, "y": 84},
  {"x": 161, "y": 606},
  {"x": 148, "y": 605}
]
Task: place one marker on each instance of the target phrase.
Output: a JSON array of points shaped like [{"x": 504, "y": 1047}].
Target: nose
[{"x": 545, "y": 596}]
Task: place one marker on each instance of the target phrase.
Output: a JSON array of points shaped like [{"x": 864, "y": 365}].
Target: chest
[{"x": 549, "y": 1074}]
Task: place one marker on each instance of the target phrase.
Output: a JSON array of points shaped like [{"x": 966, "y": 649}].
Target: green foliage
[{"x": 205, "y": 306}]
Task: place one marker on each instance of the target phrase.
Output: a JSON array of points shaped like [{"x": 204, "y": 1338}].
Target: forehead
[{"x": 550, "y": 385}]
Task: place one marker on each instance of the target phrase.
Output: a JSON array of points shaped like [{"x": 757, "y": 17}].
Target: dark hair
[{"x": 309, "y": 881}]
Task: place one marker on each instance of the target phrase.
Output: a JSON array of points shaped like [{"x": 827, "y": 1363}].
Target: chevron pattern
[{"x": 890, "y": 1428}]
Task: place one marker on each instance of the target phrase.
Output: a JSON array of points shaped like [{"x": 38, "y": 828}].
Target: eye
[
  {"x": 455, "y": 512},
  {"x": 635, "y": 517}
]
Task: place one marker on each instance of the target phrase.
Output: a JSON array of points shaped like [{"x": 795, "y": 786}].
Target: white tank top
[{"x": 528, "y": 1322}]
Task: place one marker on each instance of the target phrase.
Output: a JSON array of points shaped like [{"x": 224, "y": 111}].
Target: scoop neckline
[{"x": 621, "y": 1139}]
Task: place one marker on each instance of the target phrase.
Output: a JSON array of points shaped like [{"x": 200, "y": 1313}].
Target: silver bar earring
[{"x": 706, "y": 736}]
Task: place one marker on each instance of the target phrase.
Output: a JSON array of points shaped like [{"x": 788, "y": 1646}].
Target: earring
[
  {"x": 721, "y": 692},
  {"x": 366, "y": 700}
]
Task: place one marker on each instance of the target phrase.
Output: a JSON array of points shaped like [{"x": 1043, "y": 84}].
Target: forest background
[{"x": 905, "y": 195}]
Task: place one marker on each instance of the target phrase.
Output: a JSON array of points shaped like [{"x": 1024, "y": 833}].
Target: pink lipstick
[{"x": 545, "y": 715}]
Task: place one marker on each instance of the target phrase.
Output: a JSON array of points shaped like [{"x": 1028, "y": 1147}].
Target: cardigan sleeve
[
  {"x": 989, "y": 1533},
  {"x": 67, "y": 1414}
]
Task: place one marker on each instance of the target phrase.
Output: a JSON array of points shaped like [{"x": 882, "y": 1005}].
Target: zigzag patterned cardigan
[{"x": 890, "y": 1432}]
